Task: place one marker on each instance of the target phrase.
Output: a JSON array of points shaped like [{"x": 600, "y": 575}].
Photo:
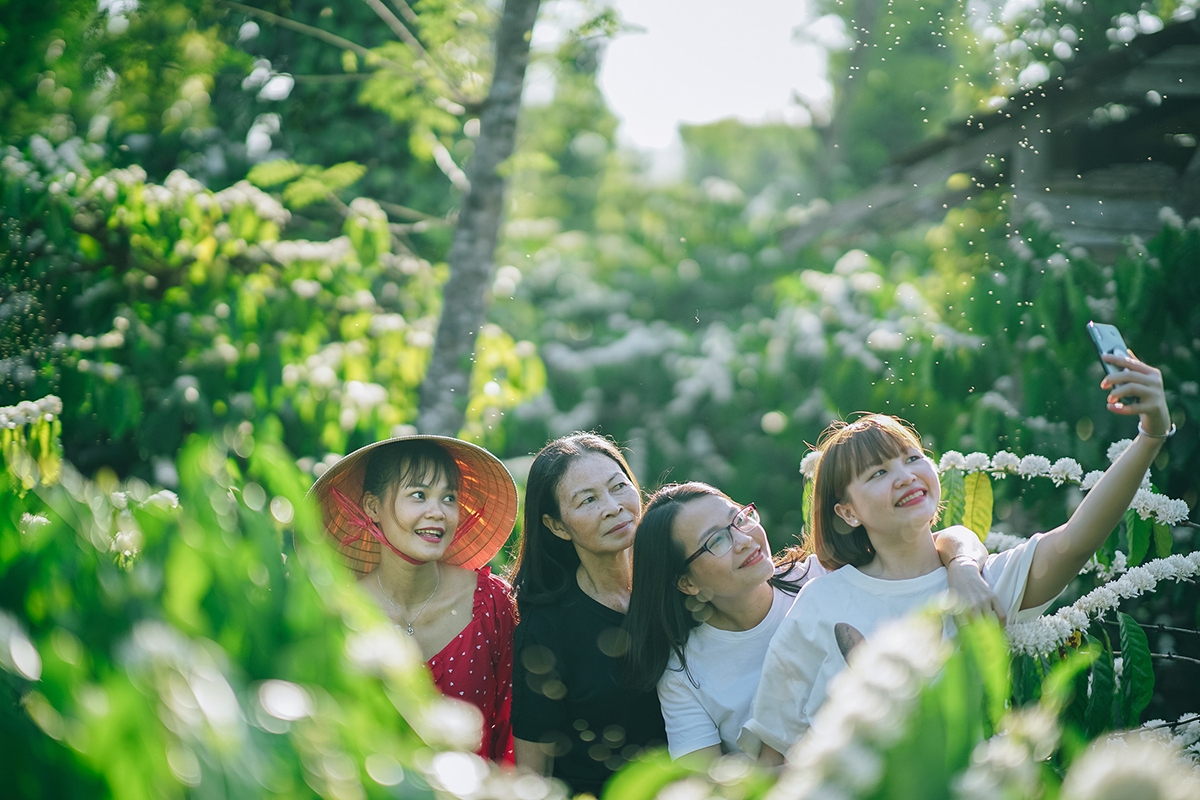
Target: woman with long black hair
[{"x": 573, "y": 717}]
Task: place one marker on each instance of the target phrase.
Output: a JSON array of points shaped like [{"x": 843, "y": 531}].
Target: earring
[{"x": 854, "y": 523}]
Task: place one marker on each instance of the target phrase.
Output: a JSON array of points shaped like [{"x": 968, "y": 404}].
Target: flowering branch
[
  {"x": 1046, "y": 634},
  {"x": 1146, "y": 502}
]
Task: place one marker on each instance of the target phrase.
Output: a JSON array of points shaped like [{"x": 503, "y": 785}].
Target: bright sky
[{"x": 703, "y": 60}]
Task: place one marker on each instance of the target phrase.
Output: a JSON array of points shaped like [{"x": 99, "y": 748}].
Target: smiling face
[
  {"x": 419, "y": 516},
  {"x": 599, "y": 506},
  {"x": 897, "y": 493},
  {"x": 745, "y": 567}
]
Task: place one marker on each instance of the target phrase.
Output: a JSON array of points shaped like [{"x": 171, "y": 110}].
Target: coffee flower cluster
[
  {"x": 1046, "y": 634},
  {"x": 1147, "y": 503},
  {"x": 28, "y": 412}
]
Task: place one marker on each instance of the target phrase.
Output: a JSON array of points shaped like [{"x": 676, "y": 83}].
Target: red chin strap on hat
[{"x": 359, "y": 519}]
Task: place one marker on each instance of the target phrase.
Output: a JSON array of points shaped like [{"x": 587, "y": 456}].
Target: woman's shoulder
[
  {"x": 458, "y": 580},
  {"x": 489, "y": 582},
  {"x": 493, "y": 591}
]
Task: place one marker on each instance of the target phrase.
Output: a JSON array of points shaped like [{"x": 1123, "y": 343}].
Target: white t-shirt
[
  {"x": 831, "y": 616},
  {"x": 725, "y": 667}
]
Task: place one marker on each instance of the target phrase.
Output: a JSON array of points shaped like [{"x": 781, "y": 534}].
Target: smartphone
[{"x": 1109, "y": 340}]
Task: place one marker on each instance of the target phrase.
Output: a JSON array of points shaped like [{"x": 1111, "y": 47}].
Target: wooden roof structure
[{"x": 1101, "y": 149}]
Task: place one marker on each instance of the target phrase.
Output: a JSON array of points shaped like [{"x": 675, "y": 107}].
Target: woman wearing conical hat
[{"x": 418, "y": 518}]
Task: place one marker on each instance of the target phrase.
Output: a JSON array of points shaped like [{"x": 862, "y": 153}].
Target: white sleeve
[
  {"x": 1008, "y": 575},
  {"x": 689, "y": 727},
  {"x": 780, "y": 713}
]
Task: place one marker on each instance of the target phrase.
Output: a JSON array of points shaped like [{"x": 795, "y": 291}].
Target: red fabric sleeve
[{"x": 498, "y": 597}]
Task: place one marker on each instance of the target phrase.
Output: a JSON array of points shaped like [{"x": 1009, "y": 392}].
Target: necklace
[{"x": 408, "y": 623}]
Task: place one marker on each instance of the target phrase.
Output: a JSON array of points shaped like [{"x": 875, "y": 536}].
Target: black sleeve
[{"x": 539, "y": 712}]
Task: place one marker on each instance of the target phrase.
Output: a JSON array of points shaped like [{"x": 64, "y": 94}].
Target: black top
[{"x": 567, "y": 691}]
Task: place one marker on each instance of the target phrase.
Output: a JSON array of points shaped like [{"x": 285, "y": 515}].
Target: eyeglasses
[{"x": 721, "y": 542}]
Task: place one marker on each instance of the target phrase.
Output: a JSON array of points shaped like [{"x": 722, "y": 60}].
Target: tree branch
[
  {"x": 1176, "y": 657},
  {"x": 410, "y": 213},
  {"x": 410, "y": 39},
  {"x": 446, "y": 388},
  {"x": 318, "y": 33},
  {"x": 399, "y": 28},
  {"x": 1181, "y": 721},
  {"x": 342, "y": 78},
  {"x": 405, "y": 11}
]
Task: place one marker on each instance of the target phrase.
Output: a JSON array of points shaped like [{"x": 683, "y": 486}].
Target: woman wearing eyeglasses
[{"x": 707, "y": 598}]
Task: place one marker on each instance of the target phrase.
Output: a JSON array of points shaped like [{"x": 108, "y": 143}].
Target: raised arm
[
  {"x": 964, "y": 556},
  {"x": 1063, "y": 551}
]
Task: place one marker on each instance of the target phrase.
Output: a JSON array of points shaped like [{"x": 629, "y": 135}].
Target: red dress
[{"x": 476, "y": 665}]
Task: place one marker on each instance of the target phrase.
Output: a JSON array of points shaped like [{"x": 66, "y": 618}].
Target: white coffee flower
[
  {"x": 1091, "y": 479},
  {"x": 1116, "y": 448},
  {"x": 977, "y": 462},
  {"x": 1032, "y": 466},
  {"x": 952, "y": 459},
  {"x": 808, "y": 464},
  {"x": 1065, "y": 469},
  {"x": 1003, "y": 463},
  {"x": 998, "y": 542},
  {"x": 1130, "y": 767}
]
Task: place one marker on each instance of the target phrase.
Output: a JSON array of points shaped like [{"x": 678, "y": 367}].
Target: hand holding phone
[{"x": 1108, "y": 340}]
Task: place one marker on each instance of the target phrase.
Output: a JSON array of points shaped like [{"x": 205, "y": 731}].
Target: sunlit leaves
[
  {"x": 303, "y": 186},
  {"x": 954, "y": 497},
  {"x": 977, "y": 503},
  {"x": 273, "y": 173}
]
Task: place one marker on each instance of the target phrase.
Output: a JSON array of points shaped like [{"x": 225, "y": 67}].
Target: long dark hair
[
  {"x": 848, "y": 448},
  {"x": 545, "y": 564},
  {"x": 661, "y": 617}
]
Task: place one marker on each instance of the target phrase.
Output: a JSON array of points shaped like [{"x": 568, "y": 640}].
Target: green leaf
[
  {"x": 1098, "y": 717},
  {"x": 1059, "y": 686},
  {"x": 1108, "y": 550},
  {"x": 924, "y": 743},
  {"x": 1026, "y": 680},
  {"x": 305, "y": 192},
  {"x": 977, "y": 504},
  {"x": 1162, "y": 540},
  {"x": 982, "y": 642},
  {"x": 187, "y": 581},
  {"x": 954, "y": 497},
  {"x": 273, "y": 173},
  {"x": 1139, "y": 532},
  {"x": 806, "y": 503},
  {"x": 960, "y": 700},
  {"x": 645, "y": 778},
  {"x": 1137, "y": 672},
  {"x": 339, "y": 176}
]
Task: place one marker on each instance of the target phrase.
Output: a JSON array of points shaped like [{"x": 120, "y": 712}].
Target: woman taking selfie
[
  {"x": 572, "y": 716},
  {"x": 708, "y": 597},
  {"x": 875, "y": 497},
  {"x": 417, "y": 519}
]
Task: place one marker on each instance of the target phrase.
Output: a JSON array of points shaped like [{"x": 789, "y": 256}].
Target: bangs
[
  {"x": 864, "y": 443},
  {"x": 409, "y": 463},
  {"x": 426, "y": 471}
]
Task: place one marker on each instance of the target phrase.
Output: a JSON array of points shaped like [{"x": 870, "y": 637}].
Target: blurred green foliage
[
  {"x": 177, "y": 646},
  {"x": 223, "y": 283}
]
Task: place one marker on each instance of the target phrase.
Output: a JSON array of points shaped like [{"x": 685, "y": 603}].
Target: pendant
[{"x": 410, "y": 630}]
